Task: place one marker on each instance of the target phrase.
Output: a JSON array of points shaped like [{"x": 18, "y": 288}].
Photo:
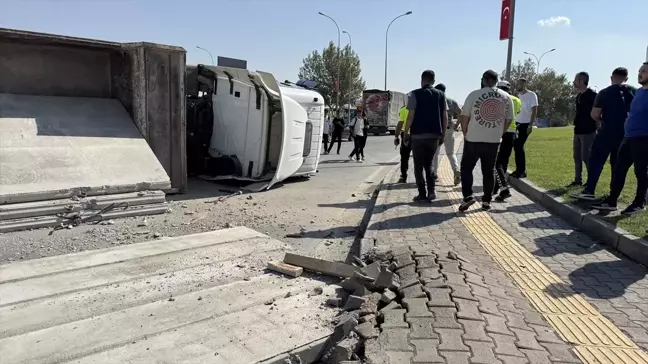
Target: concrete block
[
  {"x": 601, "y": 230},
  {"x": 372, "y": 270},
  {"x": 354, "y": 303},
  {"x": 366, "y": 330},
  {"x": 287, "y": 269},
  {"x": 634, "y": 248},
  {"x": 369, "y": 318},
  {"x": 361, "y": 291},
  {"x": 393, "y": 305},
  {"x": 388, "y": 296},
  {"x": 370, "y": 306},
  {"x": 326, "y": 267},
  {"x": 570, "y": 213},
  {"x": 375, "y": 352},
  {"x": 351, "y": 284},
  {"x": 334, "y": 302},
  {"x": 343, "y": 350},
  {"x": 386, "y": 279}
]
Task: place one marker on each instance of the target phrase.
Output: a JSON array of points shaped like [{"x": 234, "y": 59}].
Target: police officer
[
  {"x": 405, "y": 149},
  {"x": 425, "y": 128},
  {"x": 506, "y": 148}
]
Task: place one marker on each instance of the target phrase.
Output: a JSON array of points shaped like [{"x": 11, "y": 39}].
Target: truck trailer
[{"x": 381, "y": 108}]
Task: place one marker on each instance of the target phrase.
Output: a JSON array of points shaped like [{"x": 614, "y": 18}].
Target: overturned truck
[
  {"x": 92, "y": 129},
  {"x": 87, "y": 125}
]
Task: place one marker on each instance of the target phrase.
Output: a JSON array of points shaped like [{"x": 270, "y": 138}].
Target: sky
[{"x": 458, "y": 39}]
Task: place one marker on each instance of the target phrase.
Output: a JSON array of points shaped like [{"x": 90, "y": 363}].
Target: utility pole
[
  {"x": 337, "y": 90},
  {"x": 208, "y": 52},
  {"x": 387, "y": 38},
  {"x": 349, "y": 75},
  {"x": 509, "y": 56}
]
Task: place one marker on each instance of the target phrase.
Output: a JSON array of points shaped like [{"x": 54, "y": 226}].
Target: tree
[
  {"x": 556, "y": 98},
  {"x": 322, "y": 68}
]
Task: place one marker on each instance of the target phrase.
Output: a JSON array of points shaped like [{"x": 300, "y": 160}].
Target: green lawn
[{"x": 550, "y": 165}]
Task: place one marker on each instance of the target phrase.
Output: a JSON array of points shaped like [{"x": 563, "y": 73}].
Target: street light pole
[
  {"x": 387, "y": 38},
  {"x": 347, "y": 33},
  {"x": 538, "y": 60},
  {"x": 210, "y": 55},
  {"x": 337, "y": 91},
  {"x": 349, "y": 108}
]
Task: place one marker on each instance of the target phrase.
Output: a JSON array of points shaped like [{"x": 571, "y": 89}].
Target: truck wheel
[
  {"x": 376, "y": 133},
  {"x": 392, "y": 132}
]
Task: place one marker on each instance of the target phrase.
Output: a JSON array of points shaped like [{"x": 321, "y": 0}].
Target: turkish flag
[{"x": 505, "y": 21}]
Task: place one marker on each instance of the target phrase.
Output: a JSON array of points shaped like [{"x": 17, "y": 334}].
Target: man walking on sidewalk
[
  {"x": 405, "y": 149},
  {"x": 524, "y": 121},
  {"x": 425, "y": 128},
  {"x": 610, "y": 111},
  {"x": 633, "y": 150},
  {"x": 505, "y": 148},
  {"x": 486, "y": 114},
  {"x": 584, "y": 126},
  {"x": 454, "y": 111}
]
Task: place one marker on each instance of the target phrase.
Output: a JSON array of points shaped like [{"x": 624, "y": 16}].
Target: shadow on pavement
[
  {"x": 601, "y": 280},
  {"x": 519, "y": 209},
  {"x": 574, "y": 243},
  {"x": 414, "y": 221}
]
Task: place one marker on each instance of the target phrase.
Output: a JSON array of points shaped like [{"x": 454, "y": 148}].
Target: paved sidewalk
[{"x": 540, "y": 293}]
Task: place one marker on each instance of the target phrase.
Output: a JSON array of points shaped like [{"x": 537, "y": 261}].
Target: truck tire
[{"x": 392, "y": 132}]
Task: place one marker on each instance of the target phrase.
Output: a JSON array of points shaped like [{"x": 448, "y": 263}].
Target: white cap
[{"x": 504, "y": 84}]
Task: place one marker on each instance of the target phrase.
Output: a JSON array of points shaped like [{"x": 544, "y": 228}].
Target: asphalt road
[{"x": 319, "y": 216}]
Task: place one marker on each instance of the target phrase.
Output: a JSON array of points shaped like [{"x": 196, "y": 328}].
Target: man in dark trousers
[
  {"x": 427, "y": 121},
  {"x": 338, "y": 128},
  {"x": 633, "y": 151},
  {"x": 610, "y": 111},
  {"x": 405, "y": 149},
  {"x": 486, "y": 114},
  {"x": 584, "y": 126}
]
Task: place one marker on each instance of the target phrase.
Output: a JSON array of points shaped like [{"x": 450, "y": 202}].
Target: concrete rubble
[{"x": 371, "y": 297}]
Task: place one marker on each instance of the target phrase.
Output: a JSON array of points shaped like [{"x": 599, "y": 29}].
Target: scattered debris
[
  {"x": 336, "y": 269},
  {"x": 284, "y": 268},
  {"x": 316, "y": 292}
]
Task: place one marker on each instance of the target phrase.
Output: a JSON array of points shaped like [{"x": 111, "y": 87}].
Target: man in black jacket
[
  {"x": 338, "y": 128},
  {"x": 584, "y": 126}
]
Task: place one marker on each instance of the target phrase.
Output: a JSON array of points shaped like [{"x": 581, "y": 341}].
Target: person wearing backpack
[
  {"x": 610, "y": 112},
  {"x": 359, "y": 134}
]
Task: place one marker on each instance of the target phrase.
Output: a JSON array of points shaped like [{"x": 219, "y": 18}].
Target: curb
[
  {"x": 368, "y": 241},
  {"x": 309, "y": 353},
  {"x": 627, "y": 244}
]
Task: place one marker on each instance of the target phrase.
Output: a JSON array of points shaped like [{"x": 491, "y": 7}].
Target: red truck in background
[{"x": 381, "y": 108}]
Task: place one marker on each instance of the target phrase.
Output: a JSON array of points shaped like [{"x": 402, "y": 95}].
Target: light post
[
  {"x": 540, "y": 58},
  {"x": 348, "y": 34},
  {"x": 208, "y": 52},
  {"x": 337, "y": 91},
  {"x": 386, "y": 39},
  {"x": 349, "y": 107}
]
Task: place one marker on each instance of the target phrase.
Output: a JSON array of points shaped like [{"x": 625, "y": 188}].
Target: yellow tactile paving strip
[{"x": 595, "y": 338}]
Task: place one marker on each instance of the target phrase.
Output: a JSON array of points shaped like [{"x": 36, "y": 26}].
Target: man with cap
[
  {"x": 506, "y": 148},
  {"x": 486, "y": 114},
  {"x": 454, "y": 111},
  {"x": 425, "y": 128}
]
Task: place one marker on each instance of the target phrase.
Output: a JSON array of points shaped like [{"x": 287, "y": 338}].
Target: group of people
[
  {"x": 495, "y": 123},
  {"x": 357, "y": 132},
  {"x": 612, "y": 123}
]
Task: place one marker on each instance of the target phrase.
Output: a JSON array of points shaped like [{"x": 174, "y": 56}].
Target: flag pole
[{"x": 509, "y": 55}]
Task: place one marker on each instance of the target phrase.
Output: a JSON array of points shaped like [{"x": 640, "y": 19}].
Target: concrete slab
[
  {"x": 192, "y": 299},
  {"x": 57, "y": 147}
]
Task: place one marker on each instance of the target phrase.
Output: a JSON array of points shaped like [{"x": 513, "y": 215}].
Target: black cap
[
  {"x": 441, "y": 87},
  {"x": 490, "y": 75}
]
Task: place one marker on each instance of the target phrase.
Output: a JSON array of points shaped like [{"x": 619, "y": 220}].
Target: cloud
[{"x": 554, "y": 21}]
